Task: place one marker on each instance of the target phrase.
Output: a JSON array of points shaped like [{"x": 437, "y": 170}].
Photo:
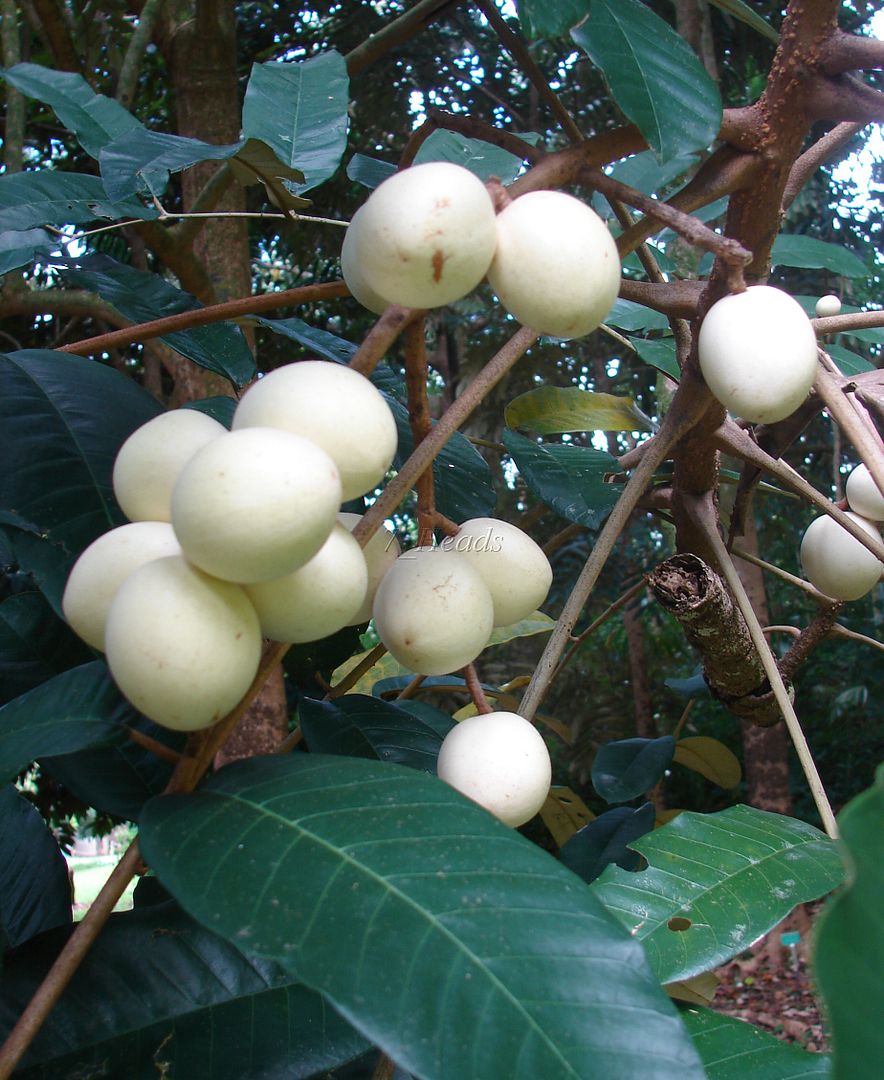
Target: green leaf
[
  {"x": 729, "y": 876},
  {"x": 849, "y": 362},
  {"x": 35, "y": 893},
  {"x": 34, "y": 645},
  {"x": 158, "y": 995},
  {"x": 605, "y": 840},
  {"x": 731, "y": 1049},
  {"x": 744, "y": 13},
  {"x": 76, "y": 709},
  {"x": 143, "y": 158},
  {"x": 537, "y": 623},
  {"x": 141, "y": 296},
  {"x": 630, "y": 316},
  {"x": 45, "y": 560},
  {"x": 849, "y": 953},
  {"x": 814, "y": 254},
  {"x": 29, "y": 199},
  {"x": 93, "y": 118},
  {"x": 644, "y": 171},
  {"x": 418, "y": 915},
  {"x": 20, "y": 247},
  {"x": 551, "y": 410},
  {"x": 220, "y": 408},
  {"x": 369, "y": 171},
  {"x": 709, "y": 758},
  {"x": 550, "y": 18},
  {"x": 299, "y": 109},
  {"x": 480, "y": 157},
  {"x": 570, "y": 479},
  {"x": 626, "y": 768},
  {"x": 364, "y": 726},
  {"x": 654, "y": 76},
  {"x": 659, "y": 353},
  {"x": 256, "y": 163}
]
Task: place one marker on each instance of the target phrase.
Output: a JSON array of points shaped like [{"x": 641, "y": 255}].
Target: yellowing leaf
[
  {"x": 551, "y": 410},
  {"x": 698, "y": 991},
  {"x": 710, "y": 758},
  {"x": 563, "y": 813},
  {"x": 385, "y": 668}
]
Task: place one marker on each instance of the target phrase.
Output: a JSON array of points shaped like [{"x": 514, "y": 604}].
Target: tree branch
[
  {"x": 812, "y": 159},
  {"x": 850, "y": 52},
  {"x": 138, "y": 43},
  {"x": 396, "y": 33}
]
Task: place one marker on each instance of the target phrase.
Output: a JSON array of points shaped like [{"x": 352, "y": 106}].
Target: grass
[{"x": 89, "y": 876}]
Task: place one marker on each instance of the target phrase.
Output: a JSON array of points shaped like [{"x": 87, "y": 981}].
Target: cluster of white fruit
[
  {"x": 235, "y": 536},
  {"x": 429, "y": 234},
  {"x": 833, "y": 560}
]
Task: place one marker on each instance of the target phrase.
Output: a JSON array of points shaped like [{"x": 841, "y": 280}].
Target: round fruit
[
  {"x": 837, "y": 563},
  {"x": 255, "y": 504},
  {"x": 514, "y": 568},
  {"x": 351, "y": 270},
  {"x": 433, "y": 611},
  {"x": 149, "y": 461},
  {"x": 104, "y": 566},
  {"x": 427, "y": 235},
  {"x": 556, "y": 268},
  {"x": 182, "y": 647},
  {"x": 758, "y": 353},
  {"x": 500, "y": 761},
  {"x": 319, "y": 597},
  {"x": 334, "y": 407},
  {"x": 827, "y": 306},
  {"x": 381, "y": 551},
  {"x": 863, "y": 494}
]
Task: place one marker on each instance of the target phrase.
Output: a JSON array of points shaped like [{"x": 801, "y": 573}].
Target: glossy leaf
[
  {"x": 709, "y": 758},
  {"x": 731, "y": 1049},
  {"x": 142, "y": 158},
  {"x": 605, "y": 840},
  {"x": 364, "y": 726},
  {"x": 848, "y": 362},
  {"x": 71, "y": 711},
  {"x": 654, "y": 76},
  {"x": 417, "y": 914},
  {"x": 46, "y": 197},
  {"x": 220, "y": 408},
  {"x": 627, "y": 768},
  {"x": 811, "y": 253},
  {"x": 627, "y": 315},
  {"x": 570, "y": 479},
  {"x": 659, "y": 353},
  {"x": 480, "y": 157},
  {"x": 550, "y": 18},
  {"x": 368, "y": 171},
  {"x": 551, "y": 410},
  {"x": 34, "y": 645},
  {"x": 35, "y": 893},
  {"x": 46, "y": 561},
  {"x": 299, "y": 109},
  {"x": 141, "y": 296},
  {"x": 644, "y": 171},
  {"x": 849, "y": 950},
  {"x": 731, "y": 876},
  {"x": 20, "y": 247},
  {"x": 158, "y": 990},
  {"x": 741, "y": 10},
  {"x": 256, "y": 163}
]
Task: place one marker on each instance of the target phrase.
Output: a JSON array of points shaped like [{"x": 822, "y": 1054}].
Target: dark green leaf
[
  {"x": 369, "y": 171},
  {"x": 731, "y": 876},
  {"x": 93, "y": 118},
  {"x": 143, "y": 158},
  {"x": 629, "y": 767},
  {"x": 627, "y": 315},
  {"x": 220, "y": 408},
  {"x": 644, "y": 171},
  {"x": 157, "y": 995},
  {"x": 368, "y": 727},
  {"x": 46, "y": 197},
  {"x": 654, "y": 76},
  {"x": 570, "y": 479},
  {"x": 20, "y": 247},
  {"x": 551, "y": 410},
  {"x": 256, "y": 163},
  {"x": 659, "y": 353},
  {"x": 731, "y": 1049},
  {"x": 604, "y": 840},
  {"x": 850, "y": 942},
  {"x": 47, "y": 562},
  {"x": 76, "y": 709},
  {"x": 849, "y": 362},
  {"x": 299, "y": 109},
  {"x": 35, "y": 892},
  {"x": 814, "y": 254},
  {"x": 418, "y": 915},
  {"x": 34, "y": 645},
  {"x": 141, "y": 296},
  {"x": 744, "y": 13},
  {"x": 692, "y": 687},
  {"x": 550, "y": 18},
  {"x": 480, "y": 157}
]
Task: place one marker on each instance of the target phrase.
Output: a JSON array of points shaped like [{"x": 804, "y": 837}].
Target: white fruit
[
  {"x": 351, "y": 269},
  {"x": 827, "y": 306},
  {"x": 837, "y": 563},
  {"x": 182, "y": 646},
  {"x": 513, "y": 566},
  {"x": 433, "y": 611},
  {"x": 863, "y": 494},
  {"x": 255, "y": 504},
  {"x": 426, "y": 235},
  {"x": 758, "y": 353},
  {"x": 317, "y": 599},
  {"x": 556, "y": 268},
  {"x": 149, "y": 461},
  {"x": 334, "y": 407},
  {"x": 104, "y": 566},
  {"x": 500, "y": 761},
  {"x": 381, "y": 551}
]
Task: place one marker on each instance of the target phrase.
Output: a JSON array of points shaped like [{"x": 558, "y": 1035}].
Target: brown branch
[
  {"x": 678, "y": 299},
  {"x": 56, "y": 32},
  {"x": 381, "y": 336},
  {"x": 845, "y": 97},
  {"x": 843, "y": 324},
  {"x": 138, "y": 43},
  {"x": 472, "y": 128},
  {"x": 73, "y": 302},
  {"x": 612, "y": 609},
  {"x": 353, "y": 677},
  {"x": 416, "y": 376},
  {"x": 810, "y": 638},
  {"x": 475, "y": 688},
  {"x": 411, "y": 689},
  {"x": 166, "y": 753},
  {"x": 850, "y": 52},
  {"x": 818, "y": 154},
  {"x": 14, "y": 128},
  {"x": 396, "y": 33}
]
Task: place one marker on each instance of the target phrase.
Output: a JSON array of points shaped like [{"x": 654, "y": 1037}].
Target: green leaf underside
[
  {"x": 654, "y": 76},
  {"x": 368, "y": 171},
  {"x": 20, "y": 247},
  {"x": 157, "y": 989},
  {"x": 850, "y": 943},
  {"x": 731, "y": 1049},
  {"x": 570, "y": 479},
  {"x": 811, "y": 253},
  {"x": 30, "y": 199},
  {"x": 744, "y": 13},
  {"x": 418, "y": 915},
  {"x": 849, "y": 362},
  {"x": 551, "y": 410},
  {"x": 299, "y": 109},
  {"x": 480, "y": 157},
  {"x": 627, "y": 768},
  {"x": 542, "y": 19},
  {"x": 143, "y": 157},
  {"x": 734, "y": 874}
]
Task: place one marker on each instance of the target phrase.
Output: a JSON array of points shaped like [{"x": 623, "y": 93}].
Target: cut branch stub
[{"x": 694, "y": 594}]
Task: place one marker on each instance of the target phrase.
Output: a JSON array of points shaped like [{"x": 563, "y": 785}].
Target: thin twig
[
  {"x": 612, "y": 609},
  {"x": 153, "y": 745},
  {"x": 416, "y": 375},
  {"x": 411, "y": 689},
  {"x": 381, "y": 336},
  {"x": 854, "y": 425},
  {"x": 353, "y": 677},
  {"x": 474, "y": 686},
  {"x": 842, "y": 631},
  {"x": 783, "y": 575}
]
